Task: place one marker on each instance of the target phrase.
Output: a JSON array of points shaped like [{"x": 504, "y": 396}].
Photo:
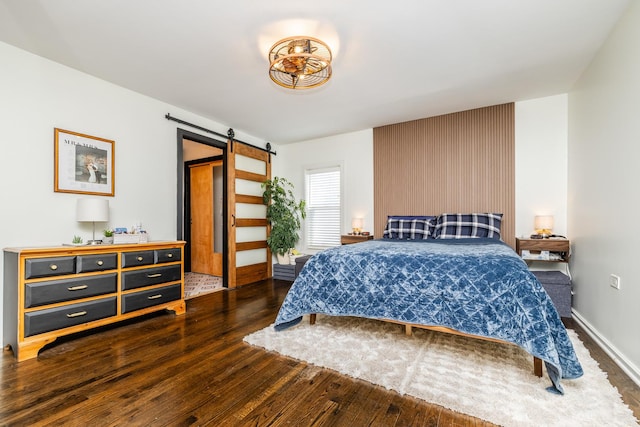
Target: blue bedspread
[{"x": 476, "y": 286}]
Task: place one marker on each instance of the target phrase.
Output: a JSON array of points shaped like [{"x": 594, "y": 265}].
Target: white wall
[
  {"x": 541, "y": 162},
  {"x": 604, "y": 198},
  {"x": 37, "y": 96},
  {"x": 353, "y": 152}
]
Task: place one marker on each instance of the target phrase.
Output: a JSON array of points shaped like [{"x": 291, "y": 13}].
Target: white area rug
[
  {"x": 487, "y": 380},
  {"x": 198, "y": 284}
]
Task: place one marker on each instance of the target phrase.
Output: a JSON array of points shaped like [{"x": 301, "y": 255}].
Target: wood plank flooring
[{"x": 163, "y": 370}]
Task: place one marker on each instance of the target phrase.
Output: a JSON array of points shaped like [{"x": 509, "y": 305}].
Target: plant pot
[
  {"x": 283, "y": 259},
  {"x": 107, "y": 240}
]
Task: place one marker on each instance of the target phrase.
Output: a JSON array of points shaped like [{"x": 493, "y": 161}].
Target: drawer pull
[
  {"x": 139, "y": 258},
  {"x": 169, "y": 255},
  {"x": 76, "y": 314},
  {"x": 100, "y": 262},
  {"x": 77, "y": 288},
  {"x": 155, "y": 296},
  {"x": 150, "y": 276},
  {"x": 53, "y": 267}
]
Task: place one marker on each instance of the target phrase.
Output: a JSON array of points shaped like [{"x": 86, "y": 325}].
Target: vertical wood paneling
[{"x": 460, "y": 162}]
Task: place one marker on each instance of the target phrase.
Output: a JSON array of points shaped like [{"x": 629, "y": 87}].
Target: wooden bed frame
[{"x": 537, "y": 363}]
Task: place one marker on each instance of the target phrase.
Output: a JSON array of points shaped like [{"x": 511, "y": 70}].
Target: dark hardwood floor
[{"x": 168, "y": 370}]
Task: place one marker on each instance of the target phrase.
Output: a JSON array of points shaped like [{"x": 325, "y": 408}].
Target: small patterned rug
[{"x": 198, "y": 284}]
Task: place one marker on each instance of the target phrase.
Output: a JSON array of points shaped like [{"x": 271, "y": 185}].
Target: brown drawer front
[
  {"x": 45, "y": 267},
  {"x": 41, "y": 321},
  {"x": 150, "y": 276},
  {"x": 149, "y": 298},
  {"x": 168, "y": 255},
  {"x": 66, "y": 290},
  {"x": 87, "y": 263},
  {"x": 133, "y": 259}
]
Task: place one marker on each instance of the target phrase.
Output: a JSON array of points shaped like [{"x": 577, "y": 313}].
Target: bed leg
[
  {"x": 537, "y": 367},
  {"x": 407, "y": 330},
  {"x": 312, "y": 319}
]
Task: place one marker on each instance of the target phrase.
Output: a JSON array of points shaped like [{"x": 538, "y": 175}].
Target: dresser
[{"x": 50, "y": 292}]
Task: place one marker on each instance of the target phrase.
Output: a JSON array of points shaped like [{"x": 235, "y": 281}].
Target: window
[{"x": 323, "y": 207}]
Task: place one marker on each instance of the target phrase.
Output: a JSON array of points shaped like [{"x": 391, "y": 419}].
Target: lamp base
[{"x": 94, "y": 242}]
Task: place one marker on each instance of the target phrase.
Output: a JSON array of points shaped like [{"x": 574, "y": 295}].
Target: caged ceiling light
[{"x": 300, "y": 62}]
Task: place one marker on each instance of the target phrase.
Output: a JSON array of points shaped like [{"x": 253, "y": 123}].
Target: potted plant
[
  {"x": 285, "y": 215},
  {"x": 108, "y": 236}
]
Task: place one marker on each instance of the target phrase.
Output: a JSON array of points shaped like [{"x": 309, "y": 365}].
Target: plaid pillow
[
  {"x": 456, "y": 226},
  {"x": 408, "y": 227}
]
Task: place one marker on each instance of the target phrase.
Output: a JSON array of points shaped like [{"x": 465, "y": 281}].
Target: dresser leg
[
  {"x": 30, "y": 349},
  {"x": 179, "y": 307}
]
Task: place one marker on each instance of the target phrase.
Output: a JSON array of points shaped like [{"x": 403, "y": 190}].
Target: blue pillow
[
  {"x": 458, "y": 226},
  {"x": 408, "y": 227}
]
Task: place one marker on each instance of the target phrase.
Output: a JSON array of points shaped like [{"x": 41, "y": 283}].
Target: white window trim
[{"x": 318, "y": 169}]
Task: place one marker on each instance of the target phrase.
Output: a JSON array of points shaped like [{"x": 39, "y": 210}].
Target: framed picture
[{"x": 83, "y": 164}]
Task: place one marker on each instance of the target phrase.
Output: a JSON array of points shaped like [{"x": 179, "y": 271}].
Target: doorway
[
  {"x": 202, "y": 207},
  {"x": 246, "y": 257}
]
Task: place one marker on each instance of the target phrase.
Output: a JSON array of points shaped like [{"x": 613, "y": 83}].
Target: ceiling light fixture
[{"x": 300, "y": 62}]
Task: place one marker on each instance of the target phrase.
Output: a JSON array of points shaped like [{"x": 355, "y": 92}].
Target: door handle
[{"x": 233, "y": 222}]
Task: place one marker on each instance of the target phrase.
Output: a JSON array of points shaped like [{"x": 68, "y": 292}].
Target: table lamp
[
  {"x": 92, "y": 210},
  {"x": 543, "y": 225},
  {"x": 356, "y": 225}
]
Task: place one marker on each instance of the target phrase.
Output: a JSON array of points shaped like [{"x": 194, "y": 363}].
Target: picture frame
[{"x": 83, "y": 164}]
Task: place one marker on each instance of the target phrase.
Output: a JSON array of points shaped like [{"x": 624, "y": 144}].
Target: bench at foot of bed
[{"x": 537, "y": 363}]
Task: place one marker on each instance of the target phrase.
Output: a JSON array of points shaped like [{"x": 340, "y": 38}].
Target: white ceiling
[{"x": 393, "y": 61}]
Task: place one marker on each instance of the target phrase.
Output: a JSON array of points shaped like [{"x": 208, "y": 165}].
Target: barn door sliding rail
[{"x": 230, "y": 133}]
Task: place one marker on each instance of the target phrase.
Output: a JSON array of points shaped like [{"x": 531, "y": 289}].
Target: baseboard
[{"x": 620, "y": 359}]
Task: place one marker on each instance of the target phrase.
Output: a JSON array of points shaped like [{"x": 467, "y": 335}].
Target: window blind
[{"x": 323, "y": 207}]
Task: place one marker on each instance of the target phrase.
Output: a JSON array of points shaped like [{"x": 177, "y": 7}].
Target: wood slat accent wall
[{"x": 459, "y": 162}]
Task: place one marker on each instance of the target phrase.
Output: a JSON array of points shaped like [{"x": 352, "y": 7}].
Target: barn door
[{"x": 249, "y": 257}]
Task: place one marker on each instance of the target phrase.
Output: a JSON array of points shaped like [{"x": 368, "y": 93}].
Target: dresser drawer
[
  {"x": 69, "y": 289},
  {"x": 144, "y": 299},
  {"x": 45, "y": 267},
  {"x": 134, "y": 259},
  {"x": 168, "y": 255},
  {"x": 102, "y": 262},
  {"x": 150, "y": 276},
  {"x": 40, "y": 321}
]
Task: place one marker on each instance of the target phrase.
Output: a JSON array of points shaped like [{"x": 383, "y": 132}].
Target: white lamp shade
[
  {"x": 357, "y": 223},
  {"x": 92, "y": 210},
  {"x": 543, "y": 222}
]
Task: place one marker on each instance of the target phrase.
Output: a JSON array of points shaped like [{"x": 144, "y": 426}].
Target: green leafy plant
[
  {"x": 108, "y": 233},
  {"x": 284, "y": 213},
  {"x": 76, "y": 239}
]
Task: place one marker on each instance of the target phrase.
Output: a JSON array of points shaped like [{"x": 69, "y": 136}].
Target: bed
[{"x": 450, "y": 273}]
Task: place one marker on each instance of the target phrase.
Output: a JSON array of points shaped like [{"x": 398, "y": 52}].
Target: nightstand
[
  {"x": 558, "y": 249},
  {"x": 555, "y": 283},
  {"x": 348, "y": 239}
]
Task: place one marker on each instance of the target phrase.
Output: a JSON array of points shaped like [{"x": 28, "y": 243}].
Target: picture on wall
[{"x": 83, "y": 164}]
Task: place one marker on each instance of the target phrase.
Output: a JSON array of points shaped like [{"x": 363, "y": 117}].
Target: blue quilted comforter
[{"x": 476, "y": 286}]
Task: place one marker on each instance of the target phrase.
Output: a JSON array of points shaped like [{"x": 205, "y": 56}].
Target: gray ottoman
[{"x": 558, "y": 286}]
